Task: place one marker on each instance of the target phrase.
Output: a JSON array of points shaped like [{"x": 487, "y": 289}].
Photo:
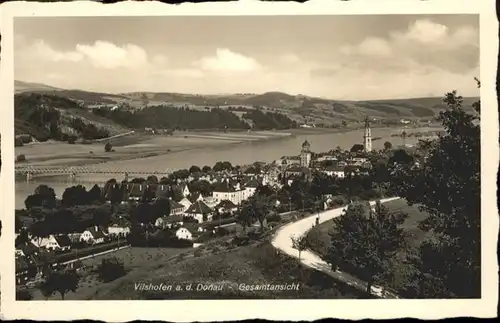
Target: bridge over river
[{"x": 31, "y": 171}]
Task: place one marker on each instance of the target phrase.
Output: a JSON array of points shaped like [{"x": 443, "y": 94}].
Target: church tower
[
  {"x": 367, "y": 138},
  {"x": 305, "y": 154}
]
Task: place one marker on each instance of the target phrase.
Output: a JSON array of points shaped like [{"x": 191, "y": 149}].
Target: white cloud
[
  {"x": 100, "y": 54},
  {"x": 371, "y": 46},
  {"x": 44, "y": 51},
  {"x": 426, "y": 31},
  {"x": 107, "y": 55},
  {"x": 425, "y": 59},
  {"x": 375, "y": 46},
  {"x": 228, "y": 61}
]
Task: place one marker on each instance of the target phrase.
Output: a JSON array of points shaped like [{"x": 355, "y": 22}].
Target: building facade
[
  {"x": 367, "y": 137},
  {"x": 305, "y": 154}
]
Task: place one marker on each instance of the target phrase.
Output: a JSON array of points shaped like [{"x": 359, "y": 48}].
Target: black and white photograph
[{"x": 254, "y": 157}]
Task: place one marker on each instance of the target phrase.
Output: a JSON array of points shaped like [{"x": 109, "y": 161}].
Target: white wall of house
[
  {"x": 249, "y": 191},
  {"x": 115, "y": 231},
  {"x": 183, "y": 233},
  {"x": 47, "y": 242},
  {"x": 186, "y": 203},
  {"x": 178, "y": 211},
  {"x": 199, "y": 216},
  {"x": 89, "y": 238},
  {"x": 337, "y": 173},
  {"x": 235, "y": 197}
]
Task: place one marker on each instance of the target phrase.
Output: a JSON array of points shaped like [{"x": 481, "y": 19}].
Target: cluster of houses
[
  {"x": 188, "y": 217},
  {"x": 191, "y": 213}
]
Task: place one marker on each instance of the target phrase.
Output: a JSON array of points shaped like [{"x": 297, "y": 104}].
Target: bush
[
  {"x": 110, "y": 269},
  {"x": 20, "y": 158},
  {"x": 108, "y": 147},
  {"x": 26, "y": 139},
  {"x": 71, "y": 139},
  {"x": 273, "y": 218},
  {"x": 241, "y": 240},
  {"x": 18, "y": 142}
]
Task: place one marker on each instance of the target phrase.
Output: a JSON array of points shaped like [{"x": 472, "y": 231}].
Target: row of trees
[{"x": 186, "y": 118}]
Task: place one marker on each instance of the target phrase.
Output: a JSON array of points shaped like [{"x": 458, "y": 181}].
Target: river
[{"x": 237, "y": 154}]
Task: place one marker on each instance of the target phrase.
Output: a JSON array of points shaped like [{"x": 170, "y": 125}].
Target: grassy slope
[
  {"x": 255, "y": 264},
  {"x": 218, "y": 262},
  {"x": 414, "y": 236}
]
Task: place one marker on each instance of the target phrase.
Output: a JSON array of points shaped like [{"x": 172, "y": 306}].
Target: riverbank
[{"x": 132, "y": 147}]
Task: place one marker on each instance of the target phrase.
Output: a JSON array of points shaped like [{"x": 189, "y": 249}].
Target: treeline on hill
[
  {"x": 269, "y": 120},
  {"x": 173, "y": 118},
  {"x": 186, "y": 118},
  {"x": 38, "y": 115}
]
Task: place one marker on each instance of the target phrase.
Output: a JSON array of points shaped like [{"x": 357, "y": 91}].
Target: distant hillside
[
  {"x": 299, "y": 108},
  {"x": 20, "y": 87},
  {"x": 45, "y": 116}
]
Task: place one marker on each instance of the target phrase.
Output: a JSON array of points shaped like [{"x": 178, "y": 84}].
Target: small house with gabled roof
[{"x": 200, "y": 211}]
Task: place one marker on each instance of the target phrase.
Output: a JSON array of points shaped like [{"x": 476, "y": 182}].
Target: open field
[
  {"x": 219, "y": 262},
  {"x": 320, "y": 238},
  {"x": 255, "y": 264},
  {"x": 136, "y": 261}
]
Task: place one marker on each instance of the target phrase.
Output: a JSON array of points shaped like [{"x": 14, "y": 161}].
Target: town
[
  {"x": 195, "y": 205},
  {"x": 252, "y": 161}
]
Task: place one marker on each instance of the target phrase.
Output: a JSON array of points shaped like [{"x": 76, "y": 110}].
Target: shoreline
[{"x": 140, "y": 149}]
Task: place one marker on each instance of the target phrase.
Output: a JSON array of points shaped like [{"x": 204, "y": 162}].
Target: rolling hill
[{"x": 300, "y": 108}]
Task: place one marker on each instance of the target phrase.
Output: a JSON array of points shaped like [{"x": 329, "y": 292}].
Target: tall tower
[
  {"x": 305, "y": 154},
  {"x": 367, "y": 138}
]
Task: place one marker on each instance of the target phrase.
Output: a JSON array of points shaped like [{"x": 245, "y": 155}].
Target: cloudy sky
[{"x": 338, "y": 57}]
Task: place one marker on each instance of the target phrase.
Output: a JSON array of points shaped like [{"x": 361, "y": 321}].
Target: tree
[
  {"x": 364, "y": 240},
  {"x": 194, "y": 169},
  {"x": 245, "y": 216},
  {"x": 264, "y": 190},
  {"x": 162, "y": 206},
  {"x": 357, "y": 148},
  {"x": 206, "y": 169},
  {"x": 22, "y": 238},
  {"x": 256, "y": 208},
  {"x": 448, "y": 188},
  {"x": 401, "y": 157},
  {"x": 108, "y": 147},
  {"x": 44, "y": 197},
  {"x": 152, "y": 179},
  {"x": 60, "y": 282},
  {"x": 94, "y": 194},
  {"x": 299, "y": 243},
  {"x": 75, "y": 195},
  {"x": 110, "y": 269},
  {"x": 387, "y": 145}
]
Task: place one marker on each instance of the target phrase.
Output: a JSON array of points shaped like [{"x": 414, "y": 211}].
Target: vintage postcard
[{"x": 224, "y": 161}]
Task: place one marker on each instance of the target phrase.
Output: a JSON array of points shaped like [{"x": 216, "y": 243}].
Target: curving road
[{"x": 282, "y": 241}]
